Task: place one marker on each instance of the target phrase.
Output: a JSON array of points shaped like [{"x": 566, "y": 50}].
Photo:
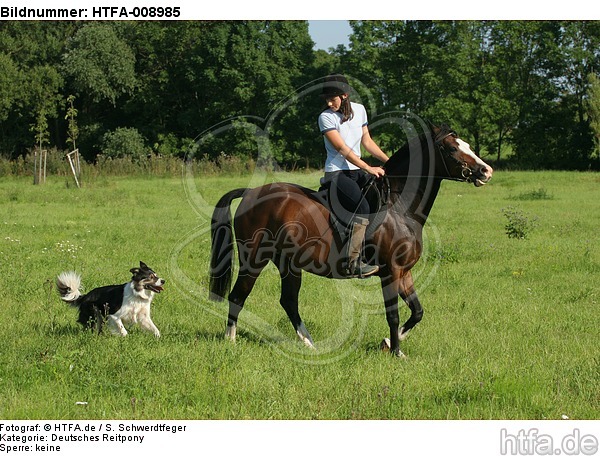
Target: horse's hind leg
[
  {"x": 290, "y": 288},
  {"x": 416, "y": 314},
  {"x": 409, "y": 295},
  {"x": 242, "y": 288}
]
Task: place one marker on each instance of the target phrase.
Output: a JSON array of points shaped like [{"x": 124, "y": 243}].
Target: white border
[
  {"x": 331, "y": 438},
  {"x": 345, "y": 9}
]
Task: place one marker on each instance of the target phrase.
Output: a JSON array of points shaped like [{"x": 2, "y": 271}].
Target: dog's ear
[
  {"x": 134, "y": 271},
  {"x": 143, "y": 265}
]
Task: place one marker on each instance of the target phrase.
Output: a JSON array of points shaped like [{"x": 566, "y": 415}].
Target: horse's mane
[{"x": 401, "y": 157}]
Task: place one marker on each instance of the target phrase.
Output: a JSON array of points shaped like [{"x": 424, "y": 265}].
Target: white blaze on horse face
[{"x": 479, "y": 165}]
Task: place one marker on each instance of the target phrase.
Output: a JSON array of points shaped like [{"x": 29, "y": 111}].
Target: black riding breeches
[{"x": 345, "y": 194}]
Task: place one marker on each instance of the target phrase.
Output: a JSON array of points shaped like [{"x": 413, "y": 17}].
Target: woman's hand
[{"x": 376, "y": 171}]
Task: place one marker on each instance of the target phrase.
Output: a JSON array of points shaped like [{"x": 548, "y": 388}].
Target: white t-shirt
[{"x": 350, "y": 131}]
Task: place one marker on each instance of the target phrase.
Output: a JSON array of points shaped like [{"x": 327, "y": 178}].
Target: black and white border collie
[{"x": 128, "y": 303}]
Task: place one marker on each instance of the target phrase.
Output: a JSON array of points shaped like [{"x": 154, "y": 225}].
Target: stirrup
[{"x": 361, "y": 270}]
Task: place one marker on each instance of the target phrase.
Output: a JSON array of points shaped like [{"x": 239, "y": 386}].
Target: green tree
[
  {"x": 99, "y": 64},
  {"x": 364, "y": 61},
  {"x": 593, "y": 111},
  {"x": 526, "y": 61},
  {"x": 71, "y": 118},
  {"x": 10, "y": 92},
  {"x": 99, "y": 68},
  {"x": 521, "y": 85},
  {"x": 436, "y": 69},
  {"x": 43, "y": 88},
  {"x": 196, "y": 75},
  {"x": 31, "y": 82},
  {"x": 579, "y": 50},
  {"x": 40, "y": 128},
  {"x": 9, "y": 85}
]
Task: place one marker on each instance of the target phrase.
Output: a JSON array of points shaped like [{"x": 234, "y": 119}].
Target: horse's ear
[{"x": 433, "y": 127}]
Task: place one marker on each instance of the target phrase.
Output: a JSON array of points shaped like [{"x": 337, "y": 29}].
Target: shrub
[
  {"x": 170, "y": 145},
  {"x": 124, "y": 142},
  {"x": 539, "y": 194},
  {"x": 56, "y": 164},
  {"x": 518, "y": 225}
]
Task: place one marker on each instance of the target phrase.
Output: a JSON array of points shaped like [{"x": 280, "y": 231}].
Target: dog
[{"x": 118, "y": 305}]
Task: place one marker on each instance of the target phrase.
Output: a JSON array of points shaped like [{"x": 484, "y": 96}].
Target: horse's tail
[{"x": 221, "y": 256}]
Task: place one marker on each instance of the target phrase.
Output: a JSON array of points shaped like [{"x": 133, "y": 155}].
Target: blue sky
[{"x": 328, "y": 34}]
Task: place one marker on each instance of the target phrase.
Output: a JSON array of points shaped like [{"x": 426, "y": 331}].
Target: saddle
[{"x": 376, "y": 192}]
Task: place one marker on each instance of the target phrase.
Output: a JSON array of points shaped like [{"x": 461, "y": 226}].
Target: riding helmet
[{"x": 335, "y": 85}]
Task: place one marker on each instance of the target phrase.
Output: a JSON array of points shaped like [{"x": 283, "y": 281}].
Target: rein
[{"x": 466, "y": 173}]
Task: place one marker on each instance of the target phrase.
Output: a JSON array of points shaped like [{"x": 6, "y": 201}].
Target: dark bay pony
[{"x": 286, "y": 224}]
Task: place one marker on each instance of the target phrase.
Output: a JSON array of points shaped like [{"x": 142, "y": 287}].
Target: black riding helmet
[{"x": 335, "y": 85}]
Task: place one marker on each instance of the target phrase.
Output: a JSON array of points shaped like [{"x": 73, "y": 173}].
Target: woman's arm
[
  {"x": 370, "y": 146},
  {"x": 338, "y": 143}
]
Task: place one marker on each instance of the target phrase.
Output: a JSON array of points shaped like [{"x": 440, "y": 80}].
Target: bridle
[
  {"x": 438, "y": 141},
  {"x": 466, "y": 173}
]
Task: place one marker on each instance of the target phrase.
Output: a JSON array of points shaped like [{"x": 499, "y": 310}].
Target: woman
[{"x": 344, "y": 128}]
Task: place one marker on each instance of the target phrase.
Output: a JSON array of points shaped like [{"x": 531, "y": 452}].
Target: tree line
[{"x": 523, "y": 93}]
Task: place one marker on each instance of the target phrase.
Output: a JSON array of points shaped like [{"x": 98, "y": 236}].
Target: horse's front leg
[{"x": 390, "y": 285}]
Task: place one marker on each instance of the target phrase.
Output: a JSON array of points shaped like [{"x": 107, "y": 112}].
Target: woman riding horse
[
  {"x": 287, "y": 225},
  {"x": 344, "y": 128}
]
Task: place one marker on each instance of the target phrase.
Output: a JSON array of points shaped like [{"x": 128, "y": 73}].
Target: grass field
[{"x": 510, "y": 329}]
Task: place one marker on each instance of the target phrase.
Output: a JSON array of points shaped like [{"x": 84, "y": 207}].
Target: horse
[{"x": 287, "y": 225}]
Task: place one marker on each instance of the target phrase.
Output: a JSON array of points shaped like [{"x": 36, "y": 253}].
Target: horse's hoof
[
  {"x": 230, "y": 333},
  {"x": 385, "y": 345},
  {"x": 307, "y": 343},
  {"x": 400, "y": 355},
  {"x": 403, "y": 335},
  {"x": 304, "y": 336}
]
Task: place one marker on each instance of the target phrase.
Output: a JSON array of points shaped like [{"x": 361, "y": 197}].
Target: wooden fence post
[{"x": 75, "y": 165}]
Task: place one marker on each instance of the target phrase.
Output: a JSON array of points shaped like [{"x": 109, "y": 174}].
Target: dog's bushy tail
[{"x": 68, "y": 285}]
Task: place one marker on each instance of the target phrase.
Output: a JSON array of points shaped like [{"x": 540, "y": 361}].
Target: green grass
[{"x": 510, "y": 329}]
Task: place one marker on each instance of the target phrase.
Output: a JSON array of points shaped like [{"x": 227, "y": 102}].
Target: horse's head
[{"x": 456, "y": 160}]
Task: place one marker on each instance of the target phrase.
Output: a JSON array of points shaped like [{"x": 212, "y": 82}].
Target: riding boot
[{"x": 356, "y": 266}]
